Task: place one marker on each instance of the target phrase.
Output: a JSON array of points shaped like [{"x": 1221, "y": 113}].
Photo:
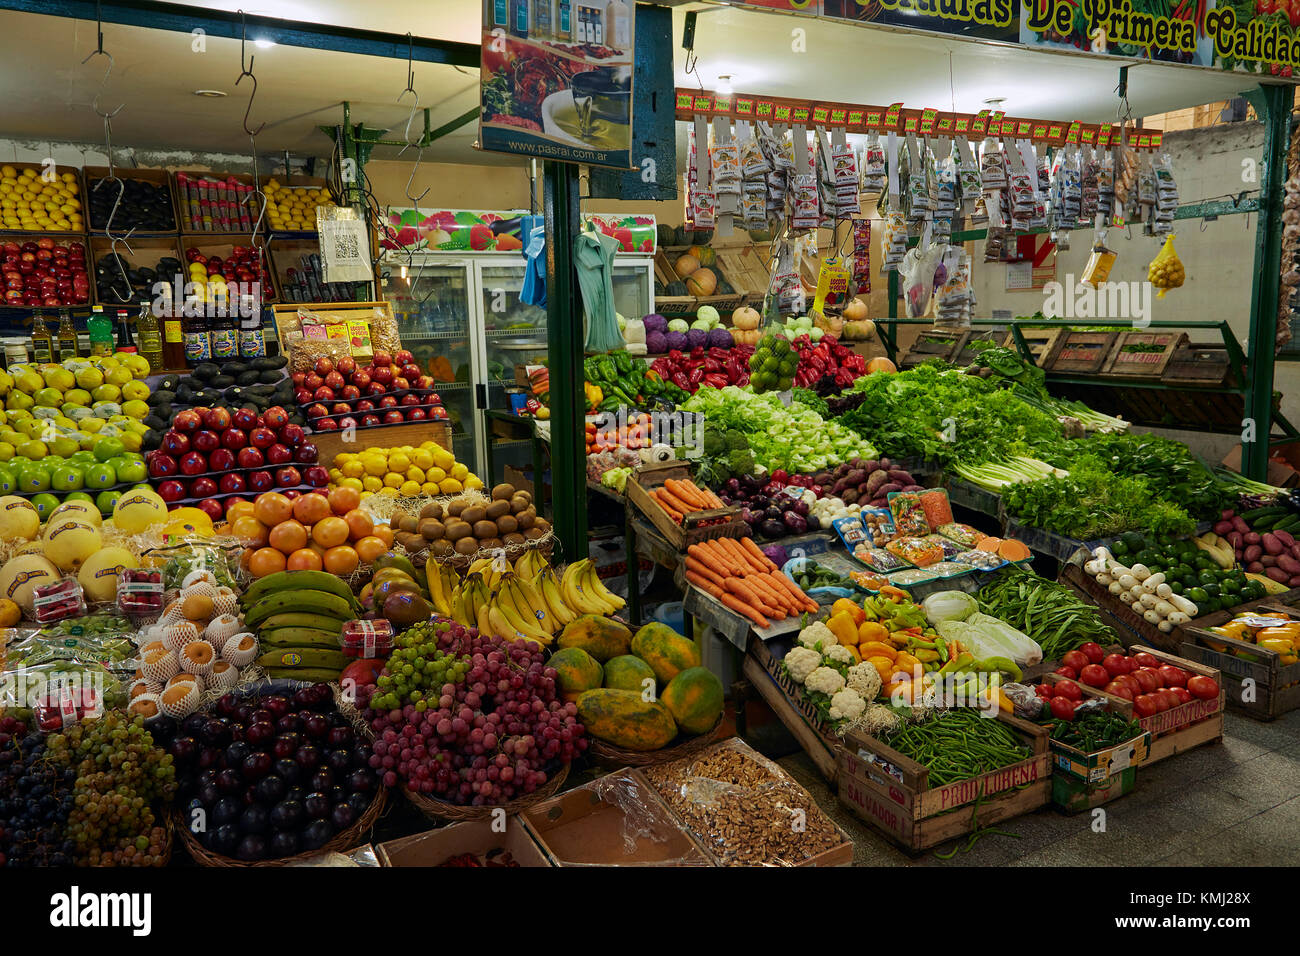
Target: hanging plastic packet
[
  {"x": 917, "y": 271},
  {"x": 1146, "y": 187},
  {"x": 893, "y": 241},
  {"x": 753, "y": 207},
  {"x": 873, "y": 167},
  {"x": 845, "y": 164},
  {"x": 1105, "y": 185},
  {"x": 753, "y": 164},
  {"x": 823, "y": 165},
  {"x": 953, "y": 298},
  {"x": 861, "y": 279},
  {"x": 1088, "y": 184},
  {"x": 1166, "y": 196},
  {"x": 725, "y": 160},
  {"x": 805, "y": 201},
  {"x": 968, "y": 176},
  {"x": 1100, "y": 262},
  {"x": 1166, "y": 269},
  {"x": 945, "y": 201},
  {"x": 785, "y": 286},
  {"x": 993, "y": 169},
  {"x": 832, "y": 285},
  {"x": 703, "y": 208}
]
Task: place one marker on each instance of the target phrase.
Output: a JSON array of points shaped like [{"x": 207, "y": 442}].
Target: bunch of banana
[
  {"x": 492, "y": 570},
  {"x": 467, "y": 597},
  {"x": 298, "y": 616},
  {"x": 531, "y": 563},
  {"x": 518, "y": 609},
  {"x": 1219, "y": 548},
  {"x": 443, "y": 581},
  {"x": 584, "y": 592}
]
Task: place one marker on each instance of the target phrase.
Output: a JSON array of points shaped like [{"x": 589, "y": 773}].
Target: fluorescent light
[
  {"x": 264, "y": 44},
  {"x": 724, "y": 84},
  {"x": 211, "y": 93}
]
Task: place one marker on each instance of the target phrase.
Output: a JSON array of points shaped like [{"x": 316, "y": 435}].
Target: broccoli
[
  {"x": 736, "y": 441},
  {"x": 715, "y": 442},
  {"x": 741, "y": 462}
]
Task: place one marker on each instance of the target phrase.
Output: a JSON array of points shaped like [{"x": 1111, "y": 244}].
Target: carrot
[
  {"x": 685, "y": 507},
  {"x": 753, "y": 598},
  {"x": 740, "y": 607},
  {"x": 724, "y": 559},
  {"x": 702, "y": 569},
  {"x": 714, "y": 500},
  {"x": 710, "y": 560},
  {"x": 744, "y": 557},
  {"x": 704, "y": 494},
  {"x": 687, "y": 492},
  {"x": 705, "y": 585},
  {"x": 770, "y": 594},
  {"x": 756, "y": 552},
  {"x": 794, "y": 590},
  {"x": 672, "y": 512}
]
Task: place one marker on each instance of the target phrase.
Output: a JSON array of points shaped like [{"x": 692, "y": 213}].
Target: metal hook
[
  {"x": 246, "y": 70},
  {"x": 121, "y": 267},
  {"x": 108, "y": 71},
  {"x": 249, "y": 108}
]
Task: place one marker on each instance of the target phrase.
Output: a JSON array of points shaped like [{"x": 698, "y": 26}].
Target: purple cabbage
[
  {"x": 776, "y": 553},
  {"x": 656, "y": 342},
  {"x": 720, "y": 338},
  {"x": 697, "y": 338},
  {"x": 675, "y": 340},
  {"x": 654, "y": 322}
]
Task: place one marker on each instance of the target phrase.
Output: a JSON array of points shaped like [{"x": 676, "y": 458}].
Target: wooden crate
[
  {"x": 1200, "y": 364},
  {"x": 745, "y": 269},
  {"x": 1042, "y": 344},
  {"x": 1074, "y": 796},
  {"x": 145, "y": 251},
  {"x": 330, "y": 444},
  {"x": 691, "y": 530},
  {"x": 288, "y": 332},
  {"x": 689, "y": 304},
  {"x": 1274, "y": 687},
  {"x": 1082, "y": 352},
  {"x": 892, "y": 792},
  {"x": 18, "y": 234},
  {"x": 155, "y": 177},
  {"x": 200, "y": 195},
  {"x": 936, "y": 343},
  {"x": 1124, "y": 363},
  {"x": 223, "y": 247}
]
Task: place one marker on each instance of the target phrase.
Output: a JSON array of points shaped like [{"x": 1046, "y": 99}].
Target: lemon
[
  {"x": 353, "y": 469},
  {"x": 392, "y": 492},
  {"x": 409, "y": 489},
  {"x": 473, "y": 483},
  {"x": 450, "y": 486},
  {"x": 435, "y": 474},
  {"x": 459, "y": 471},
  {"x": 393, "y": 480},
  {"x": 398, "y": 462},
  {"x": 422, "y": 459},
  {"x": 429, "y": 488},
  {"x": 443, "y": 458},
  {"x": 415, "y": 474},
  {"x": 375, "y": 465},
  {"x": 354, "y": 483},
  {"x": 371, "y": 483}
]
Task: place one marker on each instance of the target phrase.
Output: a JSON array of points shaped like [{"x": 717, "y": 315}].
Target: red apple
[
  {"x": 193, "y": 463},
  {"x": 292, "y": 493},
  {"x": 302, "y": 396},
  {"x": 234, "y": 438},
  {"x": 346, "y": 365},
  {"x": 231, "y": 483},
  {"x": 288, "y": 477},
  {"x": 410, "y": 398},
  {"x": 403, "y": 357},
  {"x": 203, "y": 488},
  {"x": 187, "y": 421},
  {"x": 393, "y": 417},
  {"x": 382, "y": 374},
  {"x": 400, "y": 384},
  {"x": 298, "y": 377},
  {"x": 361, "y": 379},
  {"x": 251, "y": 458},
  {"x": 416, "y": 415},
  {"x": 306, "y": 454},
  {"x": 411, "y": 371},
  {"x": 275, "y": 417},
  {"x": 347, "y": 421},
  {"x": 323, "y": 394},
  {"x": 349, "y": 393},
  {"x": 424, "y": 381},
  {"x": 388, "y": 401},
  {"x": 325, "y": 425},
  {"x": 340, "y": 408},
  {"x": 161, "y": 465},
  {"x": 316, "y": 476},
  {"x": 317, "y": 410},
  {"x": 216, "y": 419},
  {"x": 365, "y": 405},
  {"x": 170, "y": 491},
  {"x": 313, "y": 381},
  {"x": 221, "y": 459},
  {"x": 381, "y": 359},
  {"x": 324, "y": 365},
  {"x": 376, "y": 388},
  {"x": 206, "y": 441},
  {"x": 368, "y": 421},
  {"x": 244, "y": 418},
  {"x": 261, "y": 437},
  {"x": 292, "y": 435},
  {"x": 334, "y": 380},
  {"x": 213, "y": 508},
  {"x": 260, "y": 481},
  {"x": 279, "y": 454},
  {"x": 175, "y": 443}
]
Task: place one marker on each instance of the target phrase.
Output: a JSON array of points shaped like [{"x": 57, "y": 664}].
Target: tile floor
[{"x": 1231, "y": 804}]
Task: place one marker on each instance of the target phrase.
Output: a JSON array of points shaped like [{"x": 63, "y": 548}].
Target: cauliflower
[
  {"x": 815, "y": 634},
  {"x": 847, "y": 704},
  {"x": 865, "y": 679},
  {"x": 824, "y": 680},
  {"x": 800, "y": 662},
  {"x": 839, "y": 653}
]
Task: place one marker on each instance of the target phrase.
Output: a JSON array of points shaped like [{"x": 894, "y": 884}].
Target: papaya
[
  {"x": 627, "y": 673},
  {"x": 576, "y": 671},
  {"x": 601, "y": 637},
  {"x": 666, "y": 651},
  {"x": 624, "y": 719},
  {"x": 694, "y": 698}
]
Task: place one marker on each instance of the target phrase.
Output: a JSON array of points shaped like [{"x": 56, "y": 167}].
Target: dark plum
[
  {"x": 342, "y": 816},
  {"x": 316, "y": 834},
  {"x": 284, "y": 843},
  {"x": 316, "y": 806},
  {"x": 287, "y": 815},
  {"x": 224, "y": 839},
  {"x": 255, "y": 819},
  {"x": 251, "y": 848},
  {"x": 270, "y": 790},
  {"x": 227, "y": 810}
]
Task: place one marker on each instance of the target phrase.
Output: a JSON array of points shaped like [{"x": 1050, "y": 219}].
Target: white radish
[
  {"x": 1164, "y": 609},
  {"x": 1128, "y": 582},
  {"x": 1164, "y": 591},
  {"x": 1104, "y": 579},
  {"x": 1116, "y": 588},
  {"x": 1178, "y": 617},
  {"x": 1151, "y": 617},
  {"x": 1141, "y": 572}
]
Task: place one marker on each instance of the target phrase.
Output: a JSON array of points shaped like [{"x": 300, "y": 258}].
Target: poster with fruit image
[
  {"x": 452, "y": 230},
  {"x": 635, "y": 233},
  {"x": 556, "y": 80}
]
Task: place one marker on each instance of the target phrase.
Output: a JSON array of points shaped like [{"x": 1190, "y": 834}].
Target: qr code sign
[{"x": 345, "y": 250}]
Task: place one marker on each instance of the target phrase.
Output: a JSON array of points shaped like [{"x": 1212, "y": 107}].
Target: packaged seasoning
[
  {"x": 963, "y": 534},
  {"x": 949, "y": 547},
  {"x": 915, "y": 551},
  {"x": 851, "y": 531},
  {"x": 878, "y": 559},
  {"x": 909, "y": 513},
  {"x": 806, "y": 201},
  {"x": 983, "y": 560},
  {"x": 911, "y": 576},
  {"x": 1100, "y": 262}
]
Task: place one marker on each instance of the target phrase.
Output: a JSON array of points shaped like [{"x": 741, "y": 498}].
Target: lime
[{"x": 107, "y": 448}]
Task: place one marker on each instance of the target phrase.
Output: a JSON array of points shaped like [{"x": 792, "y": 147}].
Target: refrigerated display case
[{"x": 460, "y": 315}]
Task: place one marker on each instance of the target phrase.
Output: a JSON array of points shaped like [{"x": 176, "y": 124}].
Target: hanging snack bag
[
  {"x": 1099, "y": 264},
  {"x": 1166, "y": 269},
  {"x": 806, "y": 200}
]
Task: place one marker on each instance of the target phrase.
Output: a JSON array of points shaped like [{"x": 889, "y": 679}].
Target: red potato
[
  {"x": 1272, "y": 545},
  {"x": 1289, "y": 565},
  {"x": 1255, "y": 567},
  {"x": 1223, "y": 527},
  {"x": 1294, "y": 581},
  {"x": 1295, "y": 551},
  {"x": 1227, "y": 514},
  {"x": 1278, "y": 575},
  {"x": 1237, "y": 539},
  {"x": 1251, "y": 537},
  {"x": 1252, "y": 553},
  {"x": 1267, "y": 560},
  {"x": 1241, "y": 526},
  {"x": 1285, "y": 538}
]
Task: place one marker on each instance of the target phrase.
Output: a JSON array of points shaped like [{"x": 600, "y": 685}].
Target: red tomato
[
  {"x": 1131, "y": 682},
  {"x": 1044, "y": 691},
  {"x": 1146, "y": 705},
  {"x": 1062, "y": 708},
  {"x": 1143, "y": 659},
  {"x": 1169, "y": 697},
  {"x": 1068, "y": 688},
  {"x": 1147, "y": 679},
  {"x": 1116, "y": 664},
  {"x": 1076, "y": 659},
  {"x": 1171, "y": 676},
  {"x": 1119, "y": 690},
  {"x": 1069, "y": 672},
  {"x": 1093, "y": 652},
  {"x": 1206, "y": 688},
  {"x": 1182, "y": 694},
  {"x": 1094, "y": 675}
]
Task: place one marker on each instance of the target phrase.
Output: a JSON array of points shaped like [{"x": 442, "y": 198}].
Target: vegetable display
[
  {"x": 1050, "y": 614},
  {"x": 1095, "y": 731},
  {"x": 715, "y": 366},
  {"x": 1262, "y": 539},
  {"x": 1273, "y": 632},
  {"x": 826, "y": 364},
  {"x": 624, "y": 382},
  {"x": 1152, "y": 685},
  {"x": 958, "y": 744},
  {"x": 743, "y": 578}
]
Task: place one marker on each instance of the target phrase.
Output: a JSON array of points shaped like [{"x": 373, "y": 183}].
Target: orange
[
  {"x": 359, "y": 523},
  {"x": 265, "y": 561},
  {"x": 243, "y": 558},
  {"x": 330, "y": 532},
  {"x": 304, "y": 559},
  {"x": 239, "y": 509},
  {"x": 384, "y": 534},
  {"x": 310, "y": 508},
  {"x": 288, "y": 536},
  {"x": 341, "y": 560},
  {"x": 343, "y": 500},
  {"x": 271, "y": 508},
  {"x": 248, "y": 530},
  {"x": 370, "y": 547}
]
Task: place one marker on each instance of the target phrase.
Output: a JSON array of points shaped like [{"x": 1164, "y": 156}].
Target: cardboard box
[
  {"x": 1279, "y": 475},
  {"x": 477, "y": 836},
  {"x": 1074, "y": 796},
  {"x": 1100, "y": 765}
]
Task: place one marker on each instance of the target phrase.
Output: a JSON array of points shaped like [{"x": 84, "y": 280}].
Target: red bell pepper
[
  {"x": 682, "y": 381},
  {"x": 711, "y": 364},
  {"x": 716, "y": 380},
  {"x": 696, "y": 377}
]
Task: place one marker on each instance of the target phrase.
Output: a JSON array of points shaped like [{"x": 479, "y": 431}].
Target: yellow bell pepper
[
  {"x": 877, "y": 649},
  {"x": 841, "y": 625},
  {"x": 853, "y": 610},
  {"x": 1279, "y": 645},
  {"x": 853, "y": 651},
  {"x": 872, "y": 631}
]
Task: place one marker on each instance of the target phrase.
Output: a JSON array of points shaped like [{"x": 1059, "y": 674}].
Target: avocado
[
  {"x": 155, "y": 422},
  {"x": 168, "y": 383},
  {"x": 222, "y": 381},
  {"x": 261, "y": 391},
  {"x": 271, "y": 376},
  {"x": 164, "y": 412},
  {"x": 151, "y": 440},
  {"x": 251, "y": 377},
  {"x": 206, "y": 371},
  {"x": 234, "y": 368},
  {"x": 209, "y": 396},
  {"x": 266, "y": 363}
]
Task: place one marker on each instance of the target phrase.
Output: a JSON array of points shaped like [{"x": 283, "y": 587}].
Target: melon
[
  {"x": 686, "y": 266},
  {"x": 880, "y": 365},
  {"x": 19, "y": 519},
  {"x": 701, "y": 282},
  {"x": 704, "y": 254},
  {"x": 70, "y": 542},
  {"x": 745, "y": 318},
  {"x": 20, "y": 576},
  {"x": 83, "y": 511},
  {"x": 855, "y": 310},
  {"x": 138, "y": 510},
  {"x": 98, "y": 574}
]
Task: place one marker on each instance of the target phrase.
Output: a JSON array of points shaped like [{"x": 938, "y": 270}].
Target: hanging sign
[{"x": 556, "y": 80}]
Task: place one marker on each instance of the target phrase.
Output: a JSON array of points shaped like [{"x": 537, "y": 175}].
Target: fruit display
[
  {"x": 715, "y": 366},
  {"x": 33, "y": 199},
  {"x": 403, "y": 471},
  {"x": 257, "y": 384},
  {"x": 298, "y": 616},
  {"x": 272, "y": 776},
  {"x": 209, "y": 277},
  {"x": 466, "y": 525},
  {"x": 43, "y": 272},
  {"x": 142, "y": 205},
  {"x": 118, "y": 282},
  {"x": 1153, "y": 685},
  {"x": 91, "y": 795},
  {"x": 76, "y": 403},
  {"x": 212, "y": 457},
  {"x": 338, "y": 393},
  {"x": 496, "y": 728},
  {"x": 616, "y": 380},
  {"x": 773, "y": 364},
  {"x": 310, "y": 532},
  {"x": 293, "y": 208}
]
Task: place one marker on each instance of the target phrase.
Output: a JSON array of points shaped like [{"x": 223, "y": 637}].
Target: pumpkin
[
  {"x": 855, "y": 310},
  {"x": 703, "y": 253},
  {"x": 880, "y": 365},
  {"x": 745, "y": 318},
  {"x": 686, "y": 265},
  {"x": 702, "y": 282},
  {"x": 745, "y": 336},
  {"x": 859, "y": 329}
]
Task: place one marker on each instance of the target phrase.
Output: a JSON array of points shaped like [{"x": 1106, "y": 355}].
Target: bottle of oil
[
  {"x": 149, "y": 338},
  {"x": 42, "y": 341},
  {"x": 101, "y": 332},
  {"x": 67, "y": 337}
]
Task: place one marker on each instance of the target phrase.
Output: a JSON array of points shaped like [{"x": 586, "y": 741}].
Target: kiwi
[
  {"x": 484, "y": 529},
  {"x": 513, "y": 539},
  {"x": 496, "y": 509},
  {"x": 409, "y": 524},
  {"x": 456, "y": 507},
  {"x": 466, "y": 545},
  {"x": 395, "y": 519},
  {"x": 518, "y": 504},
  {"x": 541, "y": 524},
  {"x": 432, "y": 510},
  {"x": 525, "y": 494},
  {"x": 432, "y": 529},
  {"x": 507, "y": 523},
  {"x": 411, "y": 542},
  {"x": 503, "y": 492},
  {"x": 456, "y": 530},
  {"x": 440, "y": 548},
  {"x": 525, "y": 519},
  {"x": 491, "y": 544},
  {"x": 474, "y": 514},
  {"x": 532, "y": 534}
]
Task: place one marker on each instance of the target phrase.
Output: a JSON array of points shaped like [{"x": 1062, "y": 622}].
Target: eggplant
[
  {"x": 794, "y": 521},
  {"x": 773, "y": 513},
  {"x": 732, "y": 487},
  {"x": 750, "y": 518},
  {"x": 800, "y": 508},
  {"x": 772, "y": 528}
]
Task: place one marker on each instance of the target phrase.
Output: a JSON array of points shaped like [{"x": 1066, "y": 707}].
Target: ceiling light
[
  {"x": 995, "y": 101},
  {"x": 264, "y": 44},
  {"x": 724, "y": 84},
  {"x": 212, "y": 93}
]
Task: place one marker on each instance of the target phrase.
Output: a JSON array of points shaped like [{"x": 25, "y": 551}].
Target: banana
[
  {"x": 282, "y": 581},
  {"x": 593, "y": 583},
  {"x": 298, "y": 637},
  {"x": 503, "y": 629},
  {"x": 550, "y": 589},
  {"x": 576, "y": 593},
  {"x": 525, "y": 593},
  {"x": 309, "y": 657},
  {"x": 518, "y": 619},
  {"x": 296, "y": 619},
  {"x": 458, "y": 613},
  {"x": 308, "y": 602},
  {"x": 440, "y": 598},
  {"x": 483, "y": 622},
  {"x": 317, "y": 675}
]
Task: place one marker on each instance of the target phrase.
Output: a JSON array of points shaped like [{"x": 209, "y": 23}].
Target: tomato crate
[
  {"x": 1043, "y": 344},
  {"x": 1082, "y": 352},
  {"x": 892, "y": 792},
  {"x": 936, "y": 343},
  {"x": 696, "y": 526},
  {"x": 1255, "y": 681}
]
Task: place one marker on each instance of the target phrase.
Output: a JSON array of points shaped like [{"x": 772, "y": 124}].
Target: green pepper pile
[
  {"x": 625, "y": 383},
  {"x": 959, "y": 744},
  {"x": 1096, "y": 731}
]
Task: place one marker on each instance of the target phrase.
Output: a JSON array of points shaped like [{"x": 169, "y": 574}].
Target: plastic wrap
[
  {"x": 643, "y": 817},
  {"x": 743, "y": 808}
]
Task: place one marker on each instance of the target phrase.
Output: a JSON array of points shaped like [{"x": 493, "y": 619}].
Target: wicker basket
[
  {"x": 439, "y": 810},
  {"x": 340, "y": 842},
  {"x": 614, "y": 756}
]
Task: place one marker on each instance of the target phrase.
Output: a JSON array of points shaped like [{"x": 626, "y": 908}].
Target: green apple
[
  {"x": 33, "y": 478},
  {"x": 8, "y": 481},
  {"x": 63, "y": 446},
  {"x": 66, "y": 477},
  {"x": 100, "y": 475},
  {"x": 107, "y": 501},
  {"x": 108, "y": 447},
  {"x": 132, "y": 471},
  {"x": 80, "y": 496},
  {"x": 87, "y": 456},
  {"x": 44, "y": 504},
  {"x": 7, "y": 451}
]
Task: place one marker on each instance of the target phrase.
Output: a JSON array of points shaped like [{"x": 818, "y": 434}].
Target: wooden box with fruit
[
  {"x": 45, "y": 271},
  {"x": 661, "y": 492},
  {"x": 31, "y": 191},
  {"x": 1258, "y": 652}
]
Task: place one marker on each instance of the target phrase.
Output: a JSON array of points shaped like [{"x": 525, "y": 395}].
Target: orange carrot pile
[
  {"x": 681, "y": 497},
  {"x": 741, "y": 576}
]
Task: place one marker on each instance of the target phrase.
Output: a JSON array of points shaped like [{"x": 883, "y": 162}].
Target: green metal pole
[
  {"x": 1276, "y": 113},
  {"x": 564, "y": 333}
]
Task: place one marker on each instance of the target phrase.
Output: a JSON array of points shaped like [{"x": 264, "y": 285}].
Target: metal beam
[{"x": 230, "y": 25}]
